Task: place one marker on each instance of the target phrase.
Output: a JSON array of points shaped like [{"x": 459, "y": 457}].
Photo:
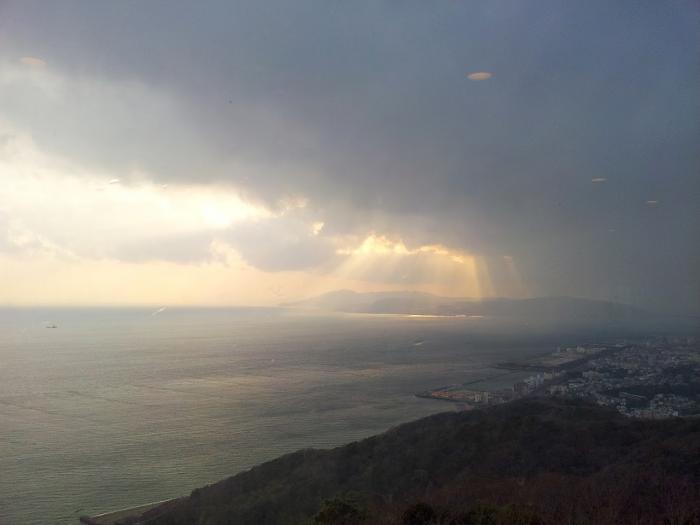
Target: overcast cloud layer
[{"x": 576, "y": 156}]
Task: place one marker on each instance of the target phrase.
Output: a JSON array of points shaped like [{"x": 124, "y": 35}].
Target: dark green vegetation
[{"x": 534, "y": 461}]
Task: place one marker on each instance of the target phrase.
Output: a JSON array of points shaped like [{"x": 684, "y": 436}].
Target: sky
[{"x": 254, "y": 153}]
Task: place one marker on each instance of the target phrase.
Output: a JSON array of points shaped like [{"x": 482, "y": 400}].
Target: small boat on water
[{"x": 51, "y": 326}]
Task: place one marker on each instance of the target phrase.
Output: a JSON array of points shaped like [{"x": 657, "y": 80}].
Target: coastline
[{"x": 130, "y": 515}]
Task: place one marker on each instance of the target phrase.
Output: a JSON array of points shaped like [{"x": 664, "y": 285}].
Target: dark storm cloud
[{"x": 366, "y": 108}]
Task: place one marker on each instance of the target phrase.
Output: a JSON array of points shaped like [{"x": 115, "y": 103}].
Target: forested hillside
[{"x": 531, "y": 461}]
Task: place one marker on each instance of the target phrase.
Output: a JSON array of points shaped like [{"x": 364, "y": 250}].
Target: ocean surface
[{"x": 118, "y": 407}]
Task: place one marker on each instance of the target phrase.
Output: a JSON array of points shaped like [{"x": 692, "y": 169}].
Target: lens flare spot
[{"x": 479, "y": 75}]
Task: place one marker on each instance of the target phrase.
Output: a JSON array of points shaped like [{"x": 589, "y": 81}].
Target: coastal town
[{"x": 654, "y": 378}]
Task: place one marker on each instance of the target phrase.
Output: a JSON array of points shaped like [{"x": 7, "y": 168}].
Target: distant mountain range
[{"x": 542, "y": 310}]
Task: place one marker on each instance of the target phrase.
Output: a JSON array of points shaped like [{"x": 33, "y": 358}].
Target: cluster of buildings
[
  {"x": 469, "y": 398},
  {"x": 534, "y": 382},
  {"x": 652, "y": 378},
  {"x": 656, "y": 378}
]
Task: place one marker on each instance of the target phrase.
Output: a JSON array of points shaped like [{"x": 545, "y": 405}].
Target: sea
[{"x": 105, "y": 408}]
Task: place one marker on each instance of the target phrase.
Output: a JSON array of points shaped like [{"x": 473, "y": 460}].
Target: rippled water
[{"x": 114, "y": 408}]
